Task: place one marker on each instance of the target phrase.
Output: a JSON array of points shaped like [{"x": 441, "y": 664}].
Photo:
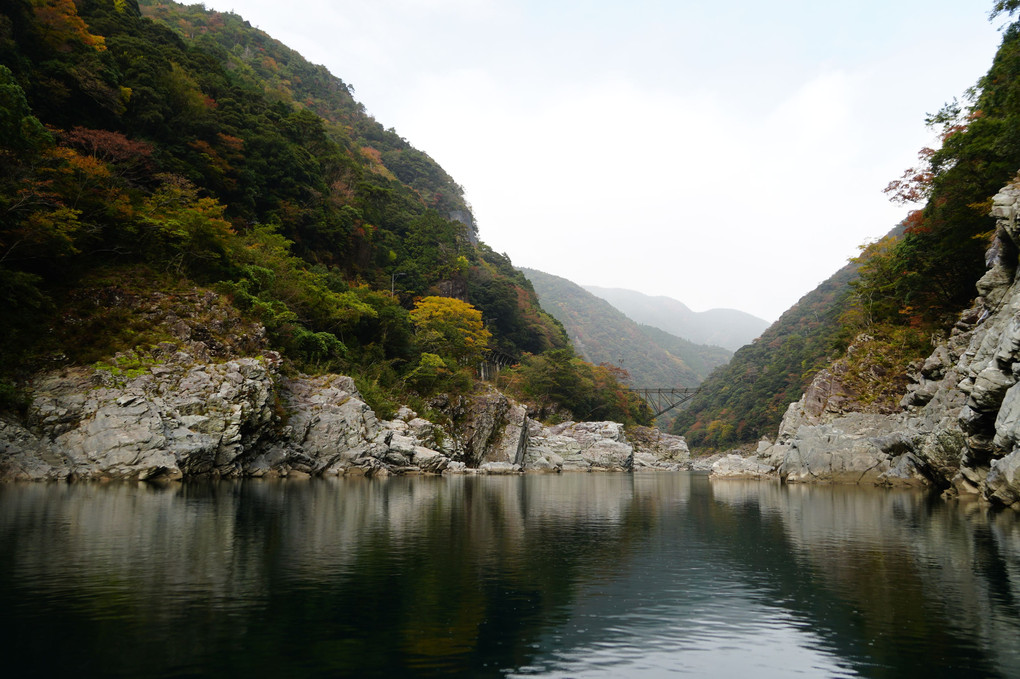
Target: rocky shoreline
[
  {"x": 182, "y": 418},
  {"x": 195, "y": 410},
  {"x": 958, "y": 427}
]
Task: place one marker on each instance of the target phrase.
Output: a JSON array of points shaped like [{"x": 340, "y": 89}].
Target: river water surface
[{"x": 577, "y": 575}]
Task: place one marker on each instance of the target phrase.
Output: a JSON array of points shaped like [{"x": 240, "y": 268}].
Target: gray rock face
[
  {"x": 654, "y": 450},
  {"x": 734, "y": 466},
  {"x": 856, "y": 448},
  {"x": 587, "y": 446},
  {"x": 960, "y": 423},
  {"x": 176, "y": 419},
  {"x": 494, "y": 429},
  {"x": 1002, "y": 484},
  {"x": 184, "y": 417}
]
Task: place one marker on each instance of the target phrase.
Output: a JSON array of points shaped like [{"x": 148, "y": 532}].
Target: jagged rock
[
  {"x": 990, "y": 386},
  {"x": 183, "y": 418},
  {"x": 25, "y": 457},
  {"x": 544, "y": 464},
  {"x": 827, "y": 393},
  {"x": 1002, "y": 484},
  {"x": 654, "y": 449},
  {"x": 857, "y": 448},
  {"x": 490, "y": 428},
  {"x": 960, "y": 421},
  {"x": 430, "y": 461},
  {"x": 329, "y": 422},
  {"x": 934, "y": 366},
  {"x": 583, "y": 446}
]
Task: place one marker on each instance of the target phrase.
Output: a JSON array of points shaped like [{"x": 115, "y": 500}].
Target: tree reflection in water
[{"x": 571, "y": 575}]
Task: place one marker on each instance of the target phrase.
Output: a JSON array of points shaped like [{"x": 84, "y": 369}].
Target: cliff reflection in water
[
  {"x": 892, "y": 580},
  {"x": 573, "y": 575}
]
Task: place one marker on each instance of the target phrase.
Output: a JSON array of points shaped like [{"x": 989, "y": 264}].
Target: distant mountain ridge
[
  {"x": 727, "y": 328},
  {"x": 603, "y": 334}
]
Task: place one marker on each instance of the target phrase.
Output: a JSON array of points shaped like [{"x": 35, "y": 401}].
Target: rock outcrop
[
  {"x": 177, "y": 417},
  {"x": 958, "y": 427},
  {"x": 598, "y": 446},
  {"x": 654, "y": 449}
]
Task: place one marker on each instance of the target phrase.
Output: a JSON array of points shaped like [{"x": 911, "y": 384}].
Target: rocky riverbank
[
  {"x": 183, "y": 416},
  {"x": 958, "y": 427}
]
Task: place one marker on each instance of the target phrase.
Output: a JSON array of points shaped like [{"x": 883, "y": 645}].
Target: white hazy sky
[{"x": 726, "y": 154}]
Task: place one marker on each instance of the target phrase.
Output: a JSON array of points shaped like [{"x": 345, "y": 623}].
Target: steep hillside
[
  {"x": 285, "y": 75},
  {"x": 187, "y": 149},
  {"x": 727, "y": 328},
  {"x": 746, "y": 398},
  {"x": 603, "y": 334}
]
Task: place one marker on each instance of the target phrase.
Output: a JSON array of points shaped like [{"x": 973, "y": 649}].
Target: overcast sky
[{"x": 723, "y": 154}]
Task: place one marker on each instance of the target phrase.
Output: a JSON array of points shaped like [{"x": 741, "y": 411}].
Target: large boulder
[
  {"x": 657, "y": 450},
  {"x": 856, "y": 448},
  {"x": 174, "y": 419},
  {"x": 736, "y": 466},
  {"x": 1002, "y": 484}
]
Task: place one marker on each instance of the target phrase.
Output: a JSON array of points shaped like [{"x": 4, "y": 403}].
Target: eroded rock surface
[
  {"x": 181, "y": 417},
  {"x": 959, "y": 423}
]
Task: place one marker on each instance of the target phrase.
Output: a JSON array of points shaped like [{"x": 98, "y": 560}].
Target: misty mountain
[
  {"x": 727, "y": 328},
  {"x": 602, "y": 333}
]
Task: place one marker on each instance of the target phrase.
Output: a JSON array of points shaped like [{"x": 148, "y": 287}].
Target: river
[{"x": 575, "y": 575}]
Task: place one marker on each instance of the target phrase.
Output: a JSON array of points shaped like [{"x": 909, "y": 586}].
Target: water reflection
[
  {"x": 572, "y": 575},
  {"x": 897, "y": 582}
]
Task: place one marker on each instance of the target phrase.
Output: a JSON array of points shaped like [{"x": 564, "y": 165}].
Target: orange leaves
[
  {"x": 87, "y": 168},
  {"x": 232, "y": 144},
  {"x": 913, "y": 317},
  {"x": 61, "y": 28},
  {"x": 376, "y": 165},
  {"x": 372, "y": 154}
]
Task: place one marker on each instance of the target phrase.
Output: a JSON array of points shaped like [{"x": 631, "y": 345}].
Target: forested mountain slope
[
  {"x": 186, "y": 150},
  {"x": 747, "y": 397},
  {"x": 603, "y": 334},
  {"x": 728, "y": 328}
]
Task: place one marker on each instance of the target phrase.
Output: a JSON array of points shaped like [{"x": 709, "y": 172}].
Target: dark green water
[{"x": 578, "y": 575}]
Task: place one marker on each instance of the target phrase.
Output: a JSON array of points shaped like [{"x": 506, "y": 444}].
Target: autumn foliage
[
  {"x": 450, "y": 328},
  {"x": 163, "y": 138}
]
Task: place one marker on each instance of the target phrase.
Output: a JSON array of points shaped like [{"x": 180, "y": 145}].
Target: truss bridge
[{"x": 664, "y": 399}]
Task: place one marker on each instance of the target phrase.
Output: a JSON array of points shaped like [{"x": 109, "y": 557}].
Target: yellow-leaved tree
[{"x": 450, "y": 328}]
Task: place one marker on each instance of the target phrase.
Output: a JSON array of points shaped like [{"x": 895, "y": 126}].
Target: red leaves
[
  {"x": 109, "y": 147},
  {"x": 914, "y": 185},
  {"x": 914, "y": 223}
]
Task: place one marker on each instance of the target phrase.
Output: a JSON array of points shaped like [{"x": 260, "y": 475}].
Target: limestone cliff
[
  {"x": 184, "y": 416},
  {"x": 958, "y": 426}
]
